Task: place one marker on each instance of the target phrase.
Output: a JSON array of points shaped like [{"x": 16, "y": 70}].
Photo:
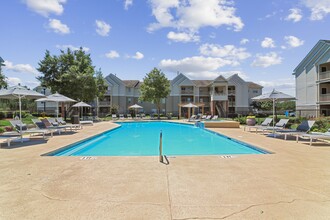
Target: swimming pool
[{"x": 142, "y": 139}]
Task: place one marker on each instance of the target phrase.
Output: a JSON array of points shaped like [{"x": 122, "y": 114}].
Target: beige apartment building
[{"x": 221, "y": 96}]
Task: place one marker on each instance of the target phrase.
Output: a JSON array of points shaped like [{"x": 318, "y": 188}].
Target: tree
[
  {"x": 3, "y": 83},
  {"x": 72, "y": 74},
  {"x": 155, "y": 87}
]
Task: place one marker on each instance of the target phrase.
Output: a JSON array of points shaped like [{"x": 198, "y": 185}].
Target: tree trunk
[{"x": 158, "y": 108}]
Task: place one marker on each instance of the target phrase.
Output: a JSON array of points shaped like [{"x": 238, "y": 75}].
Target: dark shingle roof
[
  {"x": 200, "y": 83},
  {"x": 131, "y": 83}
]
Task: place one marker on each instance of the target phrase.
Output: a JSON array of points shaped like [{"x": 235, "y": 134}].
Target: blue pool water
[{"x": 142, "y": 139}]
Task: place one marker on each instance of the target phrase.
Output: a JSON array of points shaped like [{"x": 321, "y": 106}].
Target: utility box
[{"x": 75, "y": 119}]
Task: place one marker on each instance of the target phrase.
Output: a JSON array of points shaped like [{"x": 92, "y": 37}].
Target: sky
[{"x": 262, "y": 41}]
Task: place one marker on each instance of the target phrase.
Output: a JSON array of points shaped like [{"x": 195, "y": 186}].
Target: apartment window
[
  {"x": 129, "y": 89},
  {"x": 183, "y": 88},
  {"x": 200, "y": 100},
  {"x": 323, "y": 69},
  {"x": 323, "y": 90},
  {"x": 129, "y": 100},
  {"x": 255, "y": 91}
]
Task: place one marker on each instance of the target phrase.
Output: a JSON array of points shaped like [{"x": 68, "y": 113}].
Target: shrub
[
  {"x": 2, "y": 130},
  {"x": 2, "y": 115}
]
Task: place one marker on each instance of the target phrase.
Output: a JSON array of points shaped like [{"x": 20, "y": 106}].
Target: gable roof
[
  {"x": 131, "y": 83},
  {"x": 320, "y": 48},
  {"x": 254, "y": 85},
  {"x": 200, "y": 83}
]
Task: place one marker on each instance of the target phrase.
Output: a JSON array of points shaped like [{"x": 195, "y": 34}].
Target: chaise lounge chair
[
  {"x": 264, "y": 124},
  {"x": 278, "y": 126},
  {"x": 316, "y": 136},
  {"x": 22, "y": 129},
  {"x": 59, "y": 125},
  {"x": 302, "y": 129},
  {"x": 9, "y": 138},
  {"x": 114, "y": 117}
]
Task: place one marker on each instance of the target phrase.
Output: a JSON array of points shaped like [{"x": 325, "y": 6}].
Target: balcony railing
[
  {"x": 104, "y": 103},
  {"x": 325, "y": 75},
  {"x": 204, "y": 93},
  {"x": 325, "y": 97},
  {"x": 187, "y": 92},
  {"x": 218, "y": 96}
]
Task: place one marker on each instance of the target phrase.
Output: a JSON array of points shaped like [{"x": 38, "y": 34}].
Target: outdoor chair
[
  {"x": 264, "y": 124},
  {"x": 317, "y": 136},
  {"x": 9, "y": 138},
  {"x": 63, "y": 123},
  {"x": 302, "y": 129},
  {"x": 56, "y": 123},
  {"x": 42, "y": 126},
  {"x": 22, "y": 129},
  {"x": 114, "y": 117},
  {"x": 215, "y": 117},
  {"x": 208, "y": 117},
  {"x": 193, "y": 118},
  {"x": 121, "y": 116},
  {"x": 129, "y": 116},
  {"x": 278, "y": 126}
]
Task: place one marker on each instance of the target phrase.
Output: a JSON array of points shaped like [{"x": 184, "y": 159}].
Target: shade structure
[
  {"x": 273, "y": 96},
  {"x": 189, "y": 106},
  {"x": 56, "y": 97},
  {"x": 19, "y": 92},
  {"x": 135, "y": 106},
  {"x": 81, "y": 105}
]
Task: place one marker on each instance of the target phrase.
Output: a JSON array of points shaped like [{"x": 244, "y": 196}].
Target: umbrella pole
[{"x": 274, "y": 117}]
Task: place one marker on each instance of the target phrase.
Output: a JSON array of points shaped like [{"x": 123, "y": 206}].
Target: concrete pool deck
[{"x": 292, "y": 183}]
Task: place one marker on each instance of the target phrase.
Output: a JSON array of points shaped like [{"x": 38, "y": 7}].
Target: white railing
[
  {"x": 104, "y": 102},
  {"x": 218, "y": 96},
  {"x": 325, "y": 97},
  {"x": 325, "y": 75}
]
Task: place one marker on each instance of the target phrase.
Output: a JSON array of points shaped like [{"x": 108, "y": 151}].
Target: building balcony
[
  {"x": 324, "y": 76},
  {"x": 218, "y": 96},
  {"x": 204, "y": 93},
  {"x": 187, "y": 92},
  {"x": 325, "y": 97},
  {"x": 104, "y": 103}
]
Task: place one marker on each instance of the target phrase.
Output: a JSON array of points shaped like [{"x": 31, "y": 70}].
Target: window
[
  {"x": 129, "y": 100},
  {"x": 255, "y": 91},
  {"x": 323, "y": 69},
  {"x": 183, "y": 88},
  {"x": 129, "y": 89},
  {"x": 323, "y": 90},
  {"x": 200, "y": 100}
]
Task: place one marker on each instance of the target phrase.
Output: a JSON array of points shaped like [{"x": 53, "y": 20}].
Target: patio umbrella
[
  {"x": 56, "y": 97},
  {"x": 19, "y": 92},
  {"x": 189, "y": 106},
  {"x": 81, "y": 105},
  {"x": 135, "y": 107},
  {"x": 273, "y": 96}
]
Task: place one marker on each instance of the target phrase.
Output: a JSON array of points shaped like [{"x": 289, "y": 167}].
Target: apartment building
[
  {"x": 312, "y": 77},
  {"x": 221, "y": 96}
]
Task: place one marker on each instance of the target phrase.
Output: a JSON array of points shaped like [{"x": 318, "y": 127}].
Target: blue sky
[{"x": 262, "y": 41}]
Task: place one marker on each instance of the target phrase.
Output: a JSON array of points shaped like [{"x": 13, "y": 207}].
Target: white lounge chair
[
  {"x": 8, "y": 139},
  {"x": 317, "y": 136},
  {"x": 114, "y": 117},
  {"x": 264, "y": 124},
  {"x": 278, "y": 126},
  {"x": 121, "y": 116},
  {"x": 22, "y": 129},
  {"x": 302, "y": 129}
]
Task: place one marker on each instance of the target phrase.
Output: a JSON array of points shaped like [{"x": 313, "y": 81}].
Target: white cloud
[
  {"x": 286, "y": 85},
  {"x": 102, "y": 28},
  {"x": 112, "y": 54},
  {"x": 20, "y": 68},
  {"x": 195, "y": 65},
  {"x": 58, "y": 27},
  {"x": 46, "y": 7},
  {"x": 182, "y": 37},
  {"x": 229, "y": 52},
  {"x": 13, "y": 81},
  {"x": 244, "y": 41},
  {"x": 268, "y": 43},
  {"x": 295, "y": 15},
  {"x": 293, "y": 41},
  {"x": 127, "y": 4},
  {"x": 138, "y": 56},
  {"x": 71, "y": 47},
  {"x": 319, "y": 8},
  {"x": 267, "y": 60},
  {"x": 190, "y": 15}
]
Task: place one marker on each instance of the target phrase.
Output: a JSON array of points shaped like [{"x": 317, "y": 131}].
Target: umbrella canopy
[
  {"x": 190, "y": 105},
  {"x": 273, "y": 96},
  {"x": 19, "y": 92},
  {"x": 81, "y": 104},
  {"x": 136, "y": 106},
  {"x": 56, "y": 97}
]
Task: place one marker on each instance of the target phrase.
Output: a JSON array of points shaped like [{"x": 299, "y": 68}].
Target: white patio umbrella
[
  {"x": 135, "y": 107},
  {"x": 56, "y": 97},
  {"x": 81, "y": 105},
  {"x": 189, "y": 106},
  {"x": 273, "y": 96},
  {"x": 19, "y": 92}
]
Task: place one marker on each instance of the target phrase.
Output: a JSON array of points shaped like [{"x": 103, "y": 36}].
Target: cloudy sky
[{"x": 262, "y": 41}]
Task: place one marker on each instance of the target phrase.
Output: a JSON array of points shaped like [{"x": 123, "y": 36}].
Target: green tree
[
  {"x": 155, "y": 87},
  {"x": 3, "y": 83},
  {"x": 72, "y": 74}
]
